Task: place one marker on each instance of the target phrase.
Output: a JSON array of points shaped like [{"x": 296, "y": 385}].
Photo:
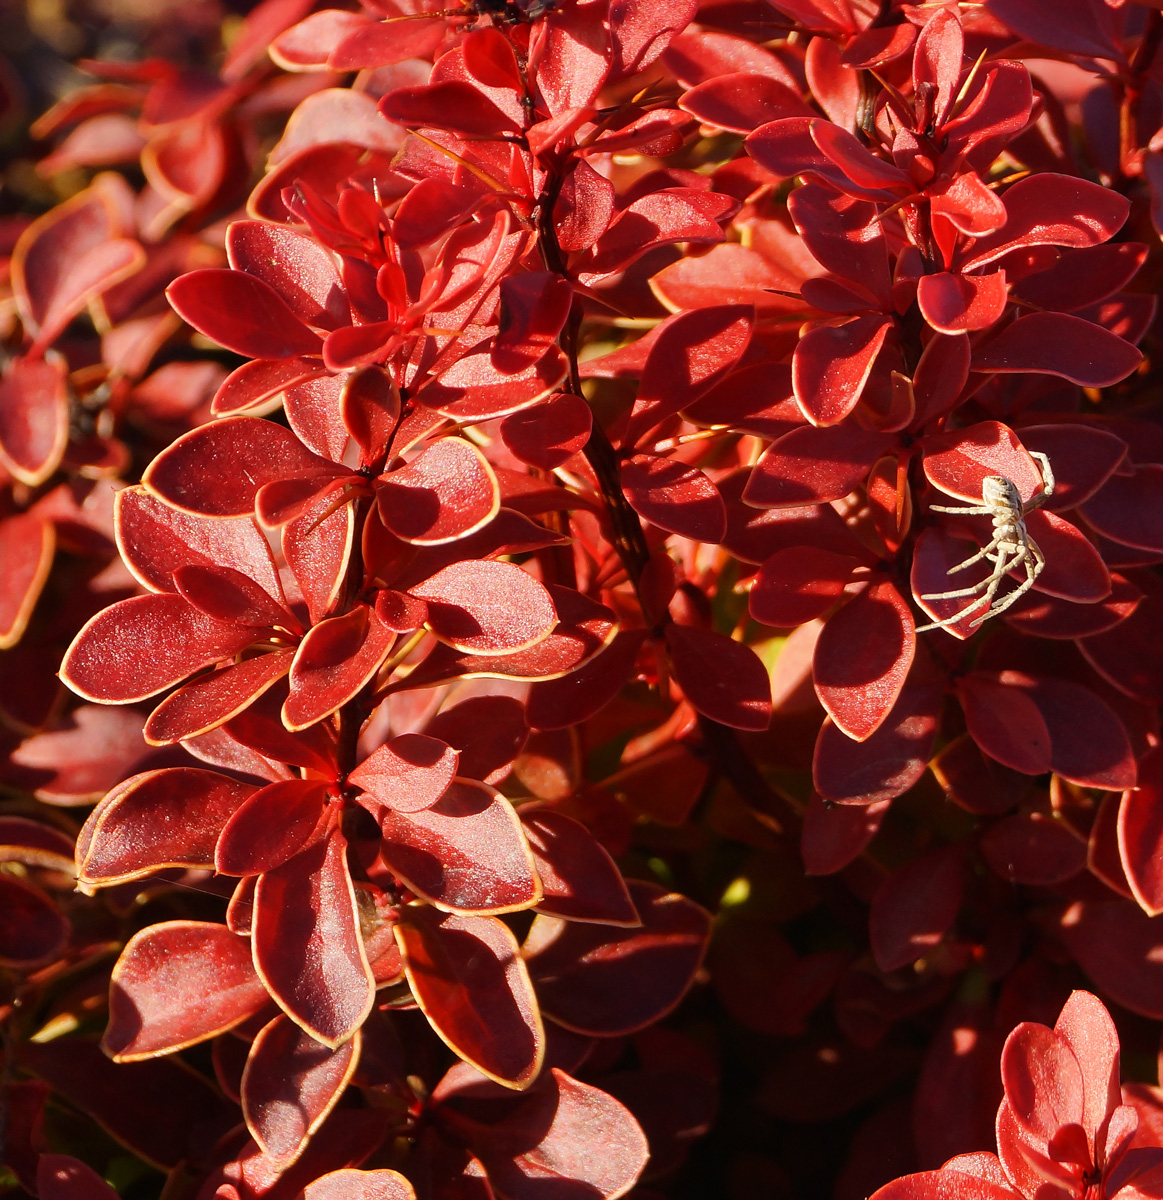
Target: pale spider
[{"x": 1010, "y": 546}]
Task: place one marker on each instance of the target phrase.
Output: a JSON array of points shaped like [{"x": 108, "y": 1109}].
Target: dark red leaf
[
  {"x": 178, "y": 983},
  {"x": 296, "y": 266},
  {"x": 270, "y": 827},
  {"x": 741, "y": 102},
  {"x": 452, "y": 104},
  {"x": 579, "y": 880},
  {"x": 211, "y": 700},
  {"x": 307, "y": 944},
  {"x": 961, "y": 303},
  {"x": 1140, "y": 835},
  {"x": 470, "y": 980},
  {"x": 487, "y": 607},
  {"x": 1032, "y": 848},
  {"x": 799, "y": 584},
  {"x": 721, "y": 678},
  {"x": 888, "y": 762},
  {"x": 166, "y": 818},
  {"x": 692, "y": 352},
  {"x": 26, "y": 548},
  {"x": 813, "y": 466},
  {"x": 290, "y": 1085},
  {"x": 1059, "y": 344},
  {"x": 409, "y": 774},
  {"x": 552, "y": 1136},
  {"x": 464, "y": 853},
  {"x": 334, "y": 662},
  {"x": 488, "y": 732},
  {"x": 835, "y": 834},
  {"x": 62, "y": 1177},
  {"x": 32, "y": 930},
  {"x": 1127, "y": 508},
  {"x": 447, "y": 492},
  {"x": 675, "y": 497},
  {"x": 912, "y": 911},
  {"x": 606, "y": 982},
  {"x": 1005, "y": 723}
]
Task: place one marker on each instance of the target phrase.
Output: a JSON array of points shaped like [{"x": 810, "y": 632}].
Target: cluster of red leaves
[{"x": 502, "y": 458}]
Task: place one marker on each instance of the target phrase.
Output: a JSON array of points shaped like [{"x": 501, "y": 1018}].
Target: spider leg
[
  {"x": 985, "y": 552},
  {"x": 1047, "y": 483},
  {"x": 983, "y": 510},
  {"x": 1035, "y": 560},
  {"x": 987, "y": 586}
]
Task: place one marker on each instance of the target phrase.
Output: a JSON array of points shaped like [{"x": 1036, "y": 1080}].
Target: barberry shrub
[{"x": 603, "y": 561}]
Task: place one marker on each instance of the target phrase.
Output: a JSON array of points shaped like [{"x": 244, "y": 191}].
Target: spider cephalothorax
[{"x": 1009, "y": 547}]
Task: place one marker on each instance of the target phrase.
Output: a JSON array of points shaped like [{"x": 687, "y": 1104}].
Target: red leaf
[
  {"x": 465, "y": 853},
  {"x": 813, "y": 466},
  {"x": 270, "y": 827},
  {"x": 961, "y": 303},
  {"x": 1084, "y": 457},
  {"x": 675, "y": 497},
  {"x": 1043, "y": 1081},
  {"x": 488, "y": 731},
  {"x": 912, "y": 910},
  {"x": 290, "y": 1085},
  {"x": 472, "y": 390},
  {"x": 798, "y": 584},
  {"x": 1049, "y": 617},
  {"x": 473, "y": 986},
  {"x": 534, "y": 308},
  {"x": 579, "y": 879},
  {"x": 178, "y": 983},
  {"x": 549, "y": 434},
  {"x": 888, "y": 762},
  {"x": 307, "y": 944},
  {"x": 834, "y": 835},
  {"x": 61, "y": 1177},
  {"x": 721, "y": 678},
  {"x": 408, "y": 775},
  {"x": 741, "y": 102},
  {"x": 1074, "y": 569},
  {"x": 1046, "y": 209},
  {"x": 297, "y": 267},
  {"x": 607, "y": 982},
  {"x": 692, "y": 352},
  {"x": 211, "y": 700},
  {"x": 862, "y": 658},
  {"x": 1034, "y": 849},
  {"x": 958, "y": 462},
  {"x": 317, "y": 548},
  {"x": 334, "y": 662},
  {"x": 831, "y": 365},
  {"x": 260, "y": 727},
  {"x": 1059, "y": 344},
  {"x": 32, "y": 931},
  {"x": 1118, "y": 946},
  {"x": 199, "y": 472},
  {"x": 553, "y": 1135},
  {"x": 34, "y": 417},
  {"x": 487, "y": 607},
  {"x": 166, "y": 818},
  {"x": 1140, "y": 835},
  {"x": 229, "y": 596},
  {"x": 587, "y": 688},
  {"x": 668, "y": 215},
  {"x": 1129, "y": 508},
  {"x": 1005, "y": 723},
  {"x": 452, "y": 104},
  {"x": 1088, "y": 743},
  {"x": 27, "y": 545},
  {"x": 447, "y": 492},
  {"x": 943, "y": 1185},
  {"x": 350, "y": 1184},
  {"x": 1131, "y": 657},
  {"x": 141, "y": 646},
  {"x": 156, "y": 539},
  {"x": 242, "y": 313}
]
